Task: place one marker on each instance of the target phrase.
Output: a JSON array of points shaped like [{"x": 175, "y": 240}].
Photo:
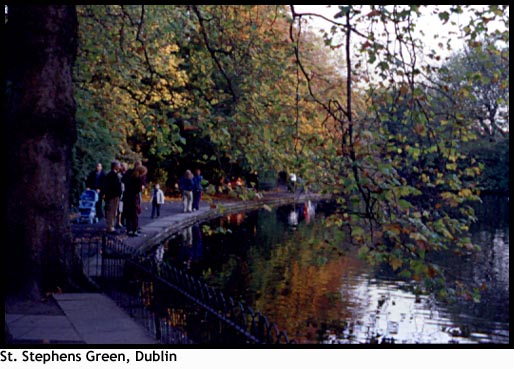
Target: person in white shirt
[{"x": 157, "y": 201}]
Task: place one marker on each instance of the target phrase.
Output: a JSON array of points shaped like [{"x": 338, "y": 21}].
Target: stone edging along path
[{"x": 163, "y": 228}]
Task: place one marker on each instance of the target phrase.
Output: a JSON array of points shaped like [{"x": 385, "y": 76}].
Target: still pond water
[{"x": 321, "y": 292}]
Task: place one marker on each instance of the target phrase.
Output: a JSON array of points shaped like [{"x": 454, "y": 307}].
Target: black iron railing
[{"x": 173, "y": 305}]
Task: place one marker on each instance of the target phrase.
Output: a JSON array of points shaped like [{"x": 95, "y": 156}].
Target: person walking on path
[
  {"x": 197, "y": 189},
  {"x": 96, "y": 181},
  {"x": 120, "y": 218},
  {"x": 186, "y": 187},
  {"x": 157, "y": 201},
  {"x": 112, "y": 193},
  {"x": 134, "y": 183}
]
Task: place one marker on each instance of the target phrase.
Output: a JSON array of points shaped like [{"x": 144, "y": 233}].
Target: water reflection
[
  {"x": 319, "y": 292},
  {"x": 191, "y": 250}
]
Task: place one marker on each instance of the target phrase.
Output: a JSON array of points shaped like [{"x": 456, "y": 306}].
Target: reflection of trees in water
[
  {"x": 302, "y": 280},
  {"x": 299, "y": 285},
  {"x": 487, "y": 270}
]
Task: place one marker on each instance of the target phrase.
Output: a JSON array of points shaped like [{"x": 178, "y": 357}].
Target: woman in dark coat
[{"x": 134, "y": 183}]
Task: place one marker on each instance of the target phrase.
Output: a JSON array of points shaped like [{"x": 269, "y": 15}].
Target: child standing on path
[{"x": 157, "y": 201}]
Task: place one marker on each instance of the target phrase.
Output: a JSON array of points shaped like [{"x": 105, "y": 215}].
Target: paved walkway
[
  {"x": 88, "y": 318},
  {"x": 172, "y": 218},
  {"x": 92, "y": 318}
]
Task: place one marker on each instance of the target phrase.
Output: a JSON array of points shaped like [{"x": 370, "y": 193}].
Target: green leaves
[
  {"x": 220, "y": 86},
  {"x": 444, "y": 16}
]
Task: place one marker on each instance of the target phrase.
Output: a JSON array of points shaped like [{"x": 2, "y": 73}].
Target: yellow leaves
[
  {"x": 170, "y": 48},
  {"x": 465, "y": 192},
  {"x": 451, "y": 199},
  {"x": 439, "y": 180},
  {"x": 395, "y": 262},
  {"x": 417, "y": 236},
  {"x": 464, "y": 92},
  {"x": 444, "y": 231},
  {"x": 451, "y": 166}
]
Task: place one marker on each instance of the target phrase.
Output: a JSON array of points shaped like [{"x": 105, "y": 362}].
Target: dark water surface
[{"x": 321, "y": 292}]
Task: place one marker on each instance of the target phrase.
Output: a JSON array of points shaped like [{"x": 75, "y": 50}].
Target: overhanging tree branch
[{"x": 213, "y": 53}]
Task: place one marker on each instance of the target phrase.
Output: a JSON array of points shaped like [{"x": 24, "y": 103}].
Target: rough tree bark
[{"x": 40, "y": 131}]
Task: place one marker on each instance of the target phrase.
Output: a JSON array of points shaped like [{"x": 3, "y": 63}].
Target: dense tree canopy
[
  {"x": 183, "y": 86},
  {"x": 363, "y": 110}
]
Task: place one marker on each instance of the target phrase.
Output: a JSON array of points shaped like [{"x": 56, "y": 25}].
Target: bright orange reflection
[{"x": 299, "y": 287}]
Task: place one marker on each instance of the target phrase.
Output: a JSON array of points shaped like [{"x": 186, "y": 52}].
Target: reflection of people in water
[
  {"x": 187, "y": 236},
  {"x": 192, "y": 248},
  {"x": 300, "y": 212},
  {"x": 236, "y": 218},
  {"x": 308, "y": 211},
  {"x": 292, "y": 220},
  {"x": 159, "y": 254},
  {"x": 197, "y": 250}
]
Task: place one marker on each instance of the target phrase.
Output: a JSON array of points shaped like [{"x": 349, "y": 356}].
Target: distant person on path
[
  {"x": 197, "y": 189},
  {"x": 120, "y": 219},
  {"x": 134, "y": 182},
  {"x": 157, "y": 201},
  {"x": 185, "y": 185},
  {"x": 96, "y": 181},
  {"x": 291, "y": 186},
  {"x": 112, "y": 193}
]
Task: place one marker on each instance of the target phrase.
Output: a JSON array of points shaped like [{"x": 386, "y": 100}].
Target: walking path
[
  {"x": 172, "y": 219},
  {"x": 93, "y": 318},
  {"x": 87, "y": 318}
]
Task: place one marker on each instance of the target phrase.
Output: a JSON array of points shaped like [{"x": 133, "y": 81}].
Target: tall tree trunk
[{"x": 40, "y": 132}]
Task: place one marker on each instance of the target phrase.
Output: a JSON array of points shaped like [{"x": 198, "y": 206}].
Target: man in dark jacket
[
  {"x": 197, "y": 189},
  {"x": 186, "y": 186},
  {"x": 96, "y": 181},
  {"x": 112, "y": 193}
]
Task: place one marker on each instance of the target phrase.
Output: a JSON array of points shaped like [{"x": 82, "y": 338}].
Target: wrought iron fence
[{"x": 173, "y": 305}]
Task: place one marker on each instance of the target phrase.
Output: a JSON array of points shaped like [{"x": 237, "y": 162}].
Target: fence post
[
  {"x": 104, "y": 243},
  {"x": 103, "y": 266},
  {"x": 156, "y": 307}
]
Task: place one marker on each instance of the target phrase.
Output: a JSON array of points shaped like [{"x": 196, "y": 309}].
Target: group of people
[
  {"x": 121, "y": 189},
  {"x": 191, "y": 189}
]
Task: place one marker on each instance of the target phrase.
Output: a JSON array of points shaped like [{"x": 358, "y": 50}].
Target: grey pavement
[
  {"x": 172, "y": 218},
  {"x": 88, "y": 318}
]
